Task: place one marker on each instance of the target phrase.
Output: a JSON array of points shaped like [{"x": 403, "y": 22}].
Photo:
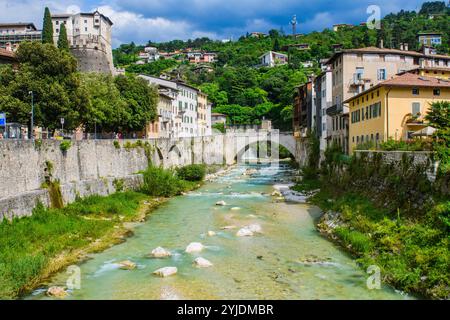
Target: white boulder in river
[
  {"x": 256, "y": 228},
  {"x": 202, "y": 263},
  {"x": 221, "y": 203},
  {"x": 166, "y": 272},
  {"x": 160, "y": 253},
  {"x": 244, "y": 232},
  {"x": 211, "y": 233},
  {"x": 194, "y": 247}
]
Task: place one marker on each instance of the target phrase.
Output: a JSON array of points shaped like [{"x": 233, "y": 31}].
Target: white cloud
[
  {"x": 133, "y": 26},
  {"x": 32, "y": 10}
]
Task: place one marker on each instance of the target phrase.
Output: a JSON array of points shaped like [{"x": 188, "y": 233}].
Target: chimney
[
  {"x": 406, "y": 46},
  {"x": 381, "y": 44},
  {"x": 402, "y": 48}
]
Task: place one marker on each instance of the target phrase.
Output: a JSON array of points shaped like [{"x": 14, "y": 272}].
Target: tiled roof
[
  {"x": 388, "y": 51},
  {"x": 7, "y": 54},
  {"x": 414, "y": 80},
  {"x": 17, "y": 24},
  {"x": 407, "y": 80}
]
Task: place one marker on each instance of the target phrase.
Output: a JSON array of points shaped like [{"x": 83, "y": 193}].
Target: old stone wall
[{"x": 90, "y": 167}]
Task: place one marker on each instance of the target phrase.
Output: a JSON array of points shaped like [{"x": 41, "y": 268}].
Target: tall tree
[
  {"x": 63, "y": 43},
  {"x": 47, "y": 31}
]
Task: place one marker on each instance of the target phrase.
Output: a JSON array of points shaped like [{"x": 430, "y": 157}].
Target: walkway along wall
[{"x": 93, "y": 167}]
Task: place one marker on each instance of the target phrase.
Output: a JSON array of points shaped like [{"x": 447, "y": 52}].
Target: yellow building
[
  {"x": 394, "y": 108},
  {"x": 203, "y": 115}
]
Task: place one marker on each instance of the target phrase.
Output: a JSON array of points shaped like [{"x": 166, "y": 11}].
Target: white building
[
  {"x": 186, "y": 118},
  {"x": 272, "y": 59},
  {"x": 326, "y": 100},
  {"x": 188, "y": 110},
  {"x": 89, "y": 36},
  {"x": 150, "y": 54}
]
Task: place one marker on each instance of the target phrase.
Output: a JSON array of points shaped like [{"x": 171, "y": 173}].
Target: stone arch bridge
[{"x": 224, "y": 148}]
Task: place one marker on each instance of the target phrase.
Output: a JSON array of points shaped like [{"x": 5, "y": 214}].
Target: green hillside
[{"x": 247, "y": 94}]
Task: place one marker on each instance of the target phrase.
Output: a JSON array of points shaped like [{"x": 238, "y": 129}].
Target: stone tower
[{"x": 89, "y": 36}]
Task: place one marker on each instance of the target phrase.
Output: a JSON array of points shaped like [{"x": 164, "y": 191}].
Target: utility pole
[
  {"x": 294, "y": 25},
  {"x": 32, "y": 115}
]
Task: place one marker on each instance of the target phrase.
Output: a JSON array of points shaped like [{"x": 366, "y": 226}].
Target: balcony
[
  {"x": 358, "y": 80},
  {"x": 335, "y": 109}
]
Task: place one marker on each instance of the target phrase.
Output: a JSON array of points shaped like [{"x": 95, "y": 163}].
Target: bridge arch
[{"x": 241, "y": 143}]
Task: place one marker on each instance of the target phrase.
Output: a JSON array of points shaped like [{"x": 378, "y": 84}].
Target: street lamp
[{"x": 32, "y": 114}]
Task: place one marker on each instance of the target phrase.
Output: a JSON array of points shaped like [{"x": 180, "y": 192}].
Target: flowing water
[{"x": 270, "y": 265}]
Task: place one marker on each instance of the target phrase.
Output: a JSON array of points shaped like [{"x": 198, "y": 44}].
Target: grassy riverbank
[
  {"x": 34, "y": 248},
  {"x": 390, "y": 216}
]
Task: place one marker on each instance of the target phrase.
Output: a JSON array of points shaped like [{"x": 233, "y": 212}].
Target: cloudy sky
[{"x": 162, "y": 20}]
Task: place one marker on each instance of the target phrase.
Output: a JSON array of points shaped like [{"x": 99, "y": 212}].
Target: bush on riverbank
[
  {"x": 159, "y": 182},
  {"x": 194, "y": 172},
  {"x": 28, "y": 245},
  {"x": 391, "y": 216}
]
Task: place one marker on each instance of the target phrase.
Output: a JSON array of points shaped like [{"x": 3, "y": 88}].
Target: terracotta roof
[
  {"x": 218, "y": 114},
  {"x": 414, "y": 80},
  {"x": 18, "y": 24},
  {"x": 445, "y": 69},
  {"x": 407, "y": 80},
  {"x": 7, "y": 54},
  {"x": 388, "y": 51}
]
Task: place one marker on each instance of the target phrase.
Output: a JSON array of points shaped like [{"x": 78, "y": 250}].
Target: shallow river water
[{"x": 266, "y": 266}]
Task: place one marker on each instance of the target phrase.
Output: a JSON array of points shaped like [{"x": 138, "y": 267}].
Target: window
[
  {"x": 180, "y": 105},
  {"x": 381, "y": 74},
  {"x": 436, "y": 92},
  {"x": 415, "y": 108},
  {"x": 362, "y": 114},
  {"x": 415, "y": 91},
  {"x": 57, "y": 30},
  {"x": 378, "y": 93},
  {"x": 57, "y": 23},
  {"x": 359, "y": 73},
  {"x": 85, "y": 29}
]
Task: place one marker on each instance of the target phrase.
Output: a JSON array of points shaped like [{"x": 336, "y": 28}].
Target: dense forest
[{"x": 247, "y": 94}]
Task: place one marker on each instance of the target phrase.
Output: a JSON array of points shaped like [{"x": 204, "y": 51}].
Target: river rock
[
  {"x": 127, "y": 265},
  {"x": 160, "y": 253},
  {"x": 202, "y": 263},
  {"x": 228, "y": 227},
  {"x": 57, "y": 292},
  {"x": 244, "y": 232},
  {"x": 256, "y": 228},
  {"x": 211, "y": 233},
  {"x": 194, "y": 247},
  {"x": 276, "y": 194},
  {"x": 221, "y": 203},
  {"x": 166, "y": 272}
]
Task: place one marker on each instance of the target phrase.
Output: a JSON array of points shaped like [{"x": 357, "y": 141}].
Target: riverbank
[
  {"x": 34, "y": 248},
  {"x": 412, "y": 252},
  {"x": 284, "y": 258}
]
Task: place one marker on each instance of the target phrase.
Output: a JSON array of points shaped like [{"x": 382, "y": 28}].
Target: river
[{"x": 270, "y": 265}]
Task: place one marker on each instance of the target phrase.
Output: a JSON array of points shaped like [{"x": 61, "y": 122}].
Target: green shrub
[
  {"x": 194, "y": 172},
  {"x": 359, "y": 241},
  {"x": 65, "y": 145},
  {"x": 163, "y": 183},
  {"x": 116, "y": 144}
]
